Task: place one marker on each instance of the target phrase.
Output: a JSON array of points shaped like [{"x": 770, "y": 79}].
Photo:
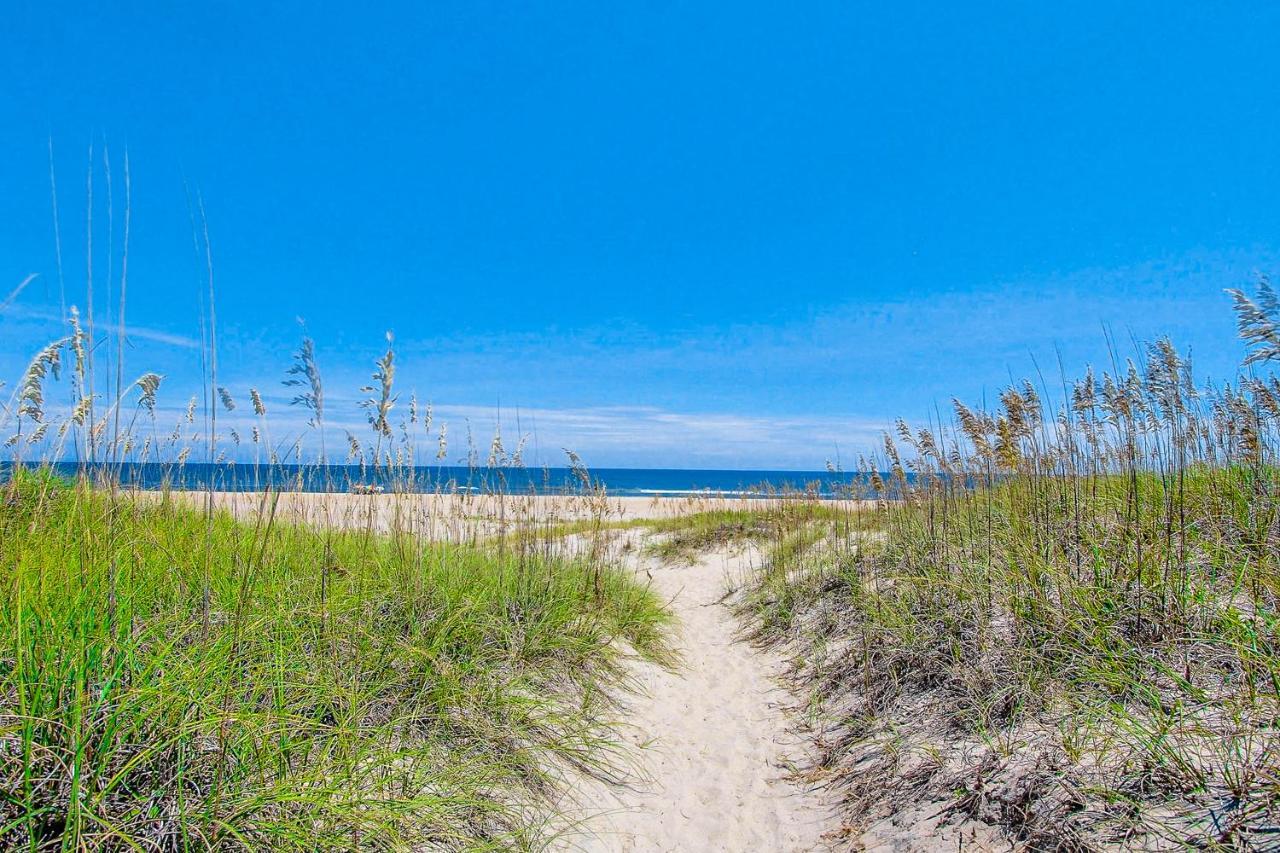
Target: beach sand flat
[{"x": 460, "y": 517}]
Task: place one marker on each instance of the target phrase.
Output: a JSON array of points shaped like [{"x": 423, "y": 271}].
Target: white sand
[
  {"x": 714, "y": 741},
  {"x": 461, "y": 517}
]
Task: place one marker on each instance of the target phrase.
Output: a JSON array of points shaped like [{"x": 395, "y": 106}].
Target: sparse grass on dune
[
  {"x": 683, "y": 536},
  {"x": 330, "y": 690},
  {"x": 1021, "y": 678},
  {"x": 1065, "y": 630},
  {"x": 701, "y": 524}
]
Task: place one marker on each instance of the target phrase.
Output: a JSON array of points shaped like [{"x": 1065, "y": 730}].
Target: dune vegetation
[
  {"x": 1065, "y": 623},
  {"x": 176, "y": 677},
  {"x": 177, "y": 680}
]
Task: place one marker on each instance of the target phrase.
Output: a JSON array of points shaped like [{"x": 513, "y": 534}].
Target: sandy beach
[{"x": 461, "y": 517}]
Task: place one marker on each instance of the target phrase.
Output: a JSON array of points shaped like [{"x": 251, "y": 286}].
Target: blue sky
[{"x": 685, "y": 234}]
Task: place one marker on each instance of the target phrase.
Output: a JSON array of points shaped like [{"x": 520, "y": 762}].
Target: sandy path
[{"x": 714, "y": 742}]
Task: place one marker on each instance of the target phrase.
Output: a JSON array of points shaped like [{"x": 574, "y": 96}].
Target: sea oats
[
  {"x": 1257, "y": 322},
  {"x": 256, "y": 399},
  {"x": 46, "y": 364},
  {"x": 305, "y": 374},
  {"x": 497, "y": 454},
  {"x": 379, "y": 407},
  {"x": 578, "y": 468},
  {"x": 149, "y": 385},
  {"x": 38, "y": 434}
]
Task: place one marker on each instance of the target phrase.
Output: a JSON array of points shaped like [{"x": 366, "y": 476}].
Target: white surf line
[{"x": 713, "y": 740}]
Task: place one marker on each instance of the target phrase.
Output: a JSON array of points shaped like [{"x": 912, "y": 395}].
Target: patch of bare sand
[{"x": 715, "y": 741}]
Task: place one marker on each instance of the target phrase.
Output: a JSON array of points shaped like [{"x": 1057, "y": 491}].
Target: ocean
[{"x": 640, "y": 482}]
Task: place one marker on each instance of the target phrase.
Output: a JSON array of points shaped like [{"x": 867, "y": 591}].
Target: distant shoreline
[
  {"x": 431, "y": 512},
  {"x": 643, "y": 483}
]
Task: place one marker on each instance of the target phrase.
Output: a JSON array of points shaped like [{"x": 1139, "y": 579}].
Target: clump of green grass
[
  {"x": 171, "y": 680},
  {"x": 1067, "y": 623},
  {"x": 684, "y": 536}
]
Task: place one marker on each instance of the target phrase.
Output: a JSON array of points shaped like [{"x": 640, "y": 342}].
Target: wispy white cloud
[
  {"x": 898, "y": 355},
  {"x": 140, "y": 332},
  {"x": 787, "y": 394},
  {"x": 17, "y": 291},
  {"x": 645, "y": 435},
  {"x": 606, "y": 436}
]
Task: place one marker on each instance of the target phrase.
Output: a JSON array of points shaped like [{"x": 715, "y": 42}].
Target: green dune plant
[
  {"x": 1058, "y": 617},
  {"x": 413, "y": 693},
  {"x": 182, "y": 672}
]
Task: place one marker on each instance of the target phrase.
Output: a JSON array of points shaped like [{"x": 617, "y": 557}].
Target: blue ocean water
[{"x": 660, "y": 482}]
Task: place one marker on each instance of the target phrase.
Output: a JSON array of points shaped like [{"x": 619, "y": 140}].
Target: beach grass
[
  {"x": 1000, "y": 669},
  {"x": 174, "y": 679},
  {"x": 1066, "y": 622}
]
